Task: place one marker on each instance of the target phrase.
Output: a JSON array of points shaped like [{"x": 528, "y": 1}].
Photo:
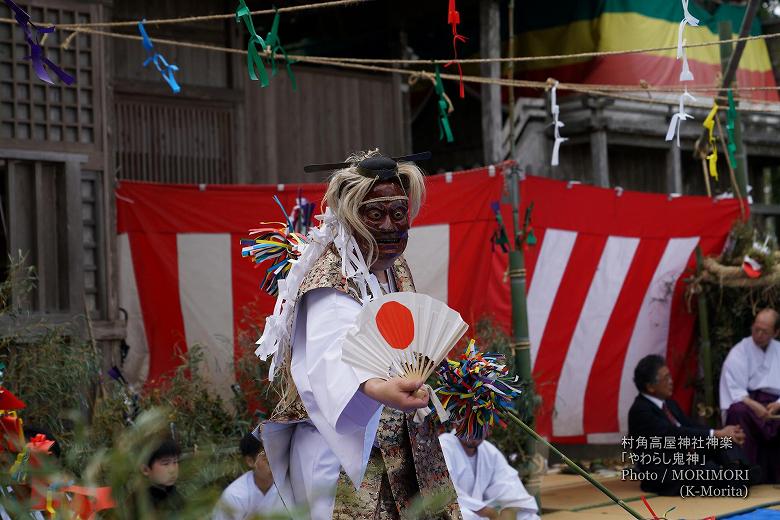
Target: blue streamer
[
  {"x": 166, "y": 70},
  {"x": 36, "y": 55},
  {"x": 284, "y": 212}
]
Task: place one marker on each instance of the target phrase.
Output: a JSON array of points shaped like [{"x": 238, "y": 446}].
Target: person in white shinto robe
[
  {"x": 254, "y": 493},
  {"x": 750, "y": 393},
  {"x": 487, "y": 486}
]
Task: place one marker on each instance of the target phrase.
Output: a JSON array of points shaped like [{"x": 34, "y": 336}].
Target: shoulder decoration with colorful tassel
[{"x": 280, "y": 244}]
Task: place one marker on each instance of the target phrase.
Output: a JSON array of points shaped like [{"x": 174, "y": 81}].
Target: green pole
[
  {"x": 705, "y": 349},
  {"x": 584, "y": 474},
  {"x": 521, "y": 346}
]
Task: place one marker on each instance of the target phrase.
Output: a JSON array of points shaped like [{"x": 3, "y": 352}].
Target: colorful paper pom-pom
[
  {"x": 475, "y": 389},
  {"x": 279, "y": 244}
]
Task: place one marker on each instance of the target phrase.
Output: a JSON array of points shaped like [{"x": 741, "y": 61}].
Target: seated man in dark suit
[{"x": 655, "y": 414}]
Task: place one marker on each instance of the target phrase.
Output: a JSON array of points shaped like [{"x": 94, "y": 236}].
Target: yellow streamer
[
  {"x": 50, "y": 504},
  {"x": 712, "y": 158},
  {"x": 20, "y": 459}
]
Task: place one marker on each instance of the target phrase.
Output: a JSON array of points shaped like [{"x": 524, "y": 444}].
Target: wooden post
[
  {"x": 520, "y": 344},
  {"x": 510, "y": 72},
  {"x": 729, "y": 64},
  {"x": 599, "y": 155},
  {"x": 674, "y": 170},
  {"x": 490, "y": 47},
  {"x": 705, "y": 350}
]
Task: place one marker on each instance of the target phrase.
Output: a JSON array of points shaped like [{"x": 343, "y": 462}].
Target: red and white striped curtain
[{"x": 604, "y": 286}]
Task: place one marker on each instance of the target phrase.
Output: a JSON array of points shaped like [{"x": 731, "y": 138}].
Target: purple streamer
[{"x": 36, "y": 55}]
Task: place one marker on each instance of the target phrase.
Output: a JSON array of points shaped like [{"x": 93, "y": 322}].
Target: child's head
[
  {"x": 162, "y": 468},
  {"x": 254, "y": 456}
]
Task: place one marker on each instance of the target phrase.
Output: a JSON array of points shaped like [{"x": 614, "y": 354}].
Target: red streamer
[
  {"x": 647, "y": 505},
  {"x": 453, "y": 19}
]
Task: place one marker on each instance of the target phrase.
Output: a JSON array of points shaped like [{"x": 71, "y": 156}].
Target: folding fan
[{"x": 402, "y": 334}]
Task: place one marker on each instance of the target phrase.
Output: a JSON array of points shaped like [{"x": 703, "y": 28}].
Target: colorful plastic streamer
[
  {"x": 36, "y": 56},
  {"x": 254, "y": 63},
  {"x": 709, "y": 124},
  {"x": 529, "y": 239},
  {"x": 272, "y": 41},
  {"x": 166, "y": 69},
  {"x": 475, "y": 390},
  {"x": 302, "y": 214},
  {"x": 500, "y": 237},
  {"x": 445, "y": 131},
  {"x": 731, "y": 121},
  {"x": 280, "y": 245},
  {"x": 453, "y": 19}
]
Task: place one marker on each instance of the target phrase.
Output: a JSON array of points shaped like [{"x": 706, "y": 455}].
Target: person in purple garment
[{"x": 750, "y": 392}]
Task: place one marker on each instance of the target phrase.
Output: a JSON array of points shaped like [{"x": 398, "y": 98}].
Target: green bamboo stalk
[
  {"x": 705, "y": 348},
  {"x": 584, "y": 474}
]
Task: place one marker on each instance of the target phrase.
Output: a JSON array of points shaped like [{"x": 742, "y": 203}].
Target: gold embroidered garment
[{"x": 407, "y": 460}]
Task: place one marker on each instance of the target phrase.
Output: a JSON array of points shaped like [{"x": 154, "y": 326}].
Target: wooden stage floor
[{"x": 570, "y": 497}]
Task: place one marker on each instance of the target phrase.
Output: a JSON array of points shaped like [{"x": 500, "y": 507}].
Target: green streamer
[
  {"x": 528, "y": 232},
  {"x": 731, "y": 118},
  {"x": 254, "y": 63},
  {"x": 444, "y": 119},
  {"x": 272, "y": 40}
]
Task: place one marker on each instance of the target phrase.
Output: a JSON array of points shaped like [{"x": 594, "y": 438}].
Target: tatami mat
[{"x": 569, "y": 497}]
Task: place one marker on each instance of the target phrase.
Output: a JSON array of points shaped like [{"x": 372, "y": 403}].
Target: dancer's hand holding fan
[{"x": 401, "y": 338}]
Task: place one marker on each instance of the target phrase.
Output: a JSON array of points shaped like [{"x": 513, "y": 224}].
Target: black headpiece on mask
[{"x": 375, "y": 167}]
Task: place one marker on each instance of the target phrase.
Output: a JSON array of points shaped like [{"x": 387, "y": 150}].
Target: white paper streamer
[
  {"x": 557, "y": 124},
  {"x": 277, "y": 333},
  {"x": 688, "y": 19},
  {"x": 422, "y": 413},
  {"x": 679, "y": 117},
  {"x": 685, "y": 74}
]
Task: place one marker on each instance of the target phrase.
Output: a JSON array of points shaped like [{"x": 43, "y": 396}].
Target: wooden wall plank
[{"x": 74, "y": 233}]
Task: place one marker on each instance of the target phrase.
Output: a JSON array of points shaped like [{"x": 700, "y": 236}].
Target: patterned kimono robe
[{"x": 406, "y": 459}]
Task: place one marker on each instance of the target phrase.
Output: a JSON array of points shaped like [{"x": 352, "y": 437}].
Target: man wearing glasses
[{"x": 750, "y": 392}]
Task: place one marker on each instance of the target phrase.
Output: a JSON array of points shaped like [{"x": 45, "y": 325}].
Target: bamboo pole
[
  {"x": 520, "y": 344},
  {"x": 705, "y": 349},
  {"x": 584, "y": 474}
]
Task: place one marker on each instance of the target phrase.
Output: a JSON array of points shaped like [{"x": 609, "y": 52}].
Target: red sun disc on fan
[{"x": 396, "y": 324}]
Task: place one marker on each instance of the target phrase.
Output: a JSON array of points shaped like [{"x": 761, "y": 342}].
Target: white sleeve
[
  {"x": 228, "y": 508},
  {"x": 733, "y": 379},
  {"x": 334, "y": 384},
  {"x": 505, "y": 488}
]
